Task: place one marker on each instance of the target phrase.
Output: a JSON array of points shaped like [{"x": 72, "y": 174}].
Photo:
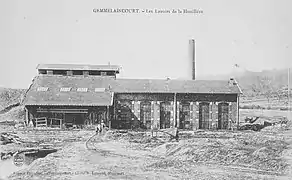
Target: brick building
[{"x": 81, "y": 95}]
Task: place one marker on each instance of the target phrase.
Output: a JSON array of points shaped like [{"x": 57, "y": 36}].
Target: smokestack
[{"x": 192, "y": 59}]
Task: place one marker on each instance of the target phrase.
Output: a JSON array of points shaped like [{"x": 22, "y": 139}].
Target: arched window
[
  {"x": 184, "y": 116},
  {"x": 145, "y": 113},
  {"x": 165, "y": 114},
  {"x": 204, "y": 115},
  {"x": 223, "y": 111},
  {"x": 124, "y": 114}
]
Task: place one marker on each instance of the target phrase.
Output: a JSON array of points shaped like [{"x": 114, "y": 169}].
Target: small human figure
[
  {"x": 98, "y": 129},
  {"x": 102, "y": 125},
  {"x": 176, "y": 135}
]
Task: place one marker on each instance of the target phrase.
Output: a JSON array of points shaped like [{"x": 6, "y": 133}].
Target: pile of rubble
[
  {"x": 257, "y": 123},
  {"x": 253, "y": 151}
]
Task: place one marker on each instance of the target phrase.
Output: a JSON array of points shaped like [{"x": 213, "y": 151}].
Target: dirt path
[
  {"x": 109, "y": 160},
  {"x": 114, "y": 160}
]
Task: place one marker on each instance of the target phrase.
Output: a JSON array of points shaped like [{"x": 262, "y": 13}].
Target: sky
[{"x": 254, "y": 34}]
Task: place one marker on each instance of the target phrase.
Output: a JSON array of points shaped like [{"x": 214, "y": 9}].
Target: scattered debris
[
  {"x": 251, "y": 125},
  {"x": 27, "y": 151},
  {"x": 7, "y": 155},
  {"x": 251, "y": 119},
  {"x": 7, "y": 138}
]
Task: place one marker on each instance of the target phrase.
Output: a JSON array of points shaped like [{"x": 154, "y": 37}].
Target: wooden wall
[{"x": 92, "y": 117}]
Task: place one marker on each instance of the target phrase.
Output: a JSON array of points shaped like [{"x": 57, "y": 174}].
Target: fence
[{"x": 43, "y": 122}]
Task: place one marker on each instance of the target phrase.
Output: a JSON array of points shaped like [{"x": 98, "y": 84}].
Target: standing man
[
  {"x": 98, "y": 129},
  {"x": 102, "y": 125}
]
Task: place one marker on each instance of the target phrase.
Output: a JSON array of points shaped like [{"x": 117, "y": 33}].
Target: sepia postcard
[{"x": 193, "y": 89}]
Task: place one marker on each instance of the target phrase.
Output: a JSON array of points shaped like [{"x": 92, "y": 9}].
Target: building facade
[{"x": 84, "y": 95}]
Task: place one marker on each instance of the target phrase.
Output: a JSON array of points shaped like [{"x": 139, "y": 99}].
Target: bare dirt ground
[
  {"x": 287, "y": 155},
  {"x": 136, "y": 155},
  {"x": 207, "y": 155}
]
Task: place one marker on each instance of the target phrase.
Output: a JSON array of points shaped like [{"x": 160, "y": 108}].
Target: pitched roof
[
  {"x": 173, "y": 86},
  {"x": 79, "y": 67},
  {"x": 53, "y": 96}
]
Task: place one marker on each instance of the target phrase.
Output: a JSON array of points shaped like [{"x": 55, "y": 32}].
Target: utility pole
[{"x": 288, "y": 94}]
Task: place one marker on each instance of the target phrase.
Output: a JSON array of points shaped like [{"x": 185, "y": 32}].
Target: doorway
[{"x": 74, "y": 119}]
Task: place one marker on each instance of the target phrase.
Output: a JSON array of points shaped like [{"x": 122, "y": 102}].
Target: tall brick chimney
[{"x": 192, "y": 55}]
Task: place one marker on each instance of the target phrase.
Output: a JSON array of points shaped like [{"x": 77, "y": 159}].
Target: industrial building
[{"x": 65, "y": 95}]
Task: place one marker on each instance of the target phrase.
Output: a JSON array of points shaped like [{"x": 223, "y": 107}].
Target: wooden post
[
  {"x": 174, "y": 110},
  {"x": 238, "y": 111},
  {"x": 64, "y": 120},
  {"x": 158, "y": 116},
  {"x": 114, "y": 104},
  {"x": 229, "y": 114},
  {"x": 177, "y": 113},
  {"x": 211, "y": 120},
  {"x": 108, "y": 115},
  {"x": 26, "y": 116}
]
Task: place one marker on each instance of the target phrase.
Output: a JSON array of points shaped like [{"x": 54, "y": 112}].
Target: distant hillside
[
  {"x": 259, "y": 83},
  {"x": 10, "y": 97},
  {"x": 253, "y": 84}
]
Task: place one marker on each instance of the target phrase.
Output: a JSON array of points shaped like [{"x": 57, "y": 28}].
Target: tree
[{"x": 264, "y": 87}]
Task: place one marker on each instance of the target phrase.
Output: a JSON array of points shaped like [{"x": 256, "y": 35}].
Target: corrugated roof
[
  {"x": 53, "y": 96},
  {"x": 79, "y": 67}
]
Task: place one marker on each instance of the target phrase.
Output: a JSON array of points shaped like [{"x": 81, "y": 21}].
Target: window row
[
  {"x": 67, "y": 89},
  {"x": 162, "y": 116},
  {"x": 77, "y": 72}
]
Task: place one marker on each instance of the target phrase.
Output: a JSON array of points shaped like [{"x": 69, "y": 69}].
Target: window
[
  {"x": 41, "y": 71},
  {"x": 145, "y": 114},
  {"x": 82, "y": 89},
  {"x": 103, "y": 73},
  {"x": 110, "y": 73},
  {"x": 94, "y": 73},
  {"x": 99, "y": 89},
  {"x": 59, "y": 72},
  {"x": 184, "y": 115},
  {"x": 204, "y": 116},
  {"x": 65, "y": 89},
  {"x": 165, "y": 114},
  {"x": 124, "y": 114},
  {"x": 77, "y": 72},
  {"x": 42, "y": 89}
]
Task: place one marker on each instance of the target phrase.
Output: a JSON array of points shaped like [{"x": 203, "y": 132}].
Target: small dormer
[{"x": 78, "y": 70}]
